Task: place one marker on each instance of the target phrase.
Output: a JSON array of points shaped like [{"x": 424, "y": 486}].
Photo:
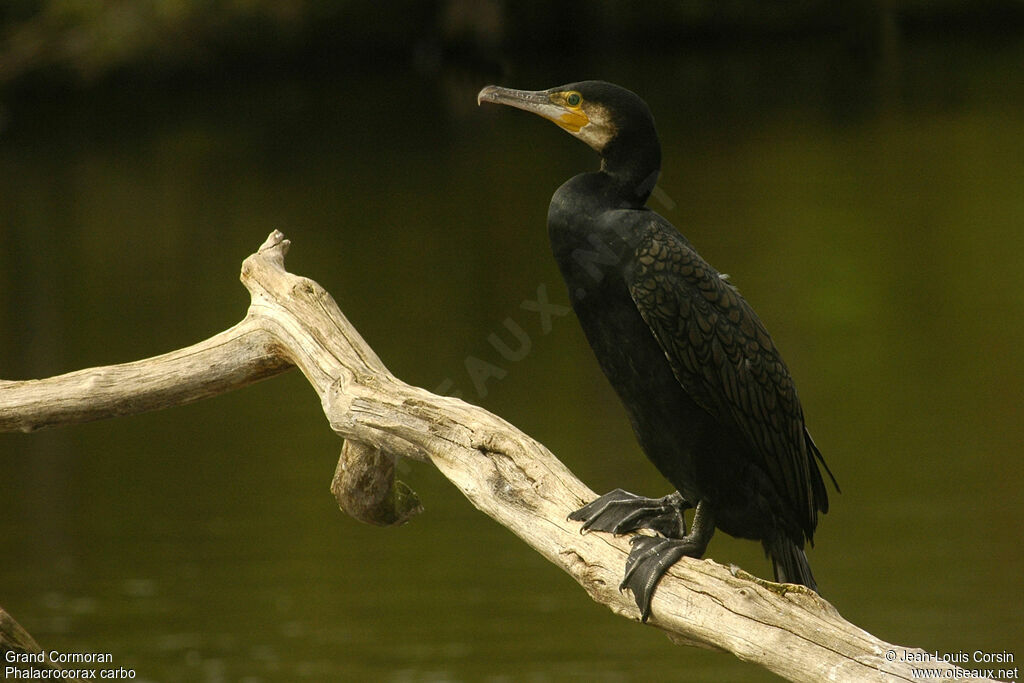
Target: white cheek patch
[{"x": 599, "y": 130}]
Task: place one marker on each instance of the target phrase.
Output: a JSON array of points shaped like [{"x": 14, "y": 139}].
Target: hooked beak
[{"x": 541, "y": 102}]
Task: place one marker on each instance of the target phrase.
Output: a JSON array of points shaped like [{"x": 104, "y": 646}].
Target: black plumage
[{"x": 710, "y": 400}]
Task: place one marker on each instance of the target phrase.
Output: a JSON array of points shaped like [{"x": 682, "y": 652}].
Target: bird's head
[{"x": 615, "y": 122}]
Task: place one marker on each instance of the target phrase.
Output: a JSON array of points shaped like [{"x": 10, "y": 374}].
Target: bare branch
[
  {"x": 13, "y": 638},
  {"x": 232, "y": 359},
  {"x": 505, "y": 473}
]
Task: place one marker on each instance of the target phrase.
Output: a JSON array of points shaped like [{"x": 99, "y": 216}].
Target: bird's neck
[{"x": 632, "y": 166}]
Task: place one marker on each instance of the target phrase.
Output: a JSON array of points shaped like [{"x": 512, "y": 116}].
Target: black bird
[{"x": 710, "y": 399}]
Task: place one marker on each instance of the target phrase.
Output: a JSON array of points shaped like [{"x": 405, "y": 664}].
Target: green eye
[{"x": 573, "y": 99}]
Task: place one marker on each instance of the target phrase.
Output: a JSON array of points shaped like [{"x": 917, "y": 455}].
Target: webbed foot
[
  {"x": 651, "y": 557},
  {"x": 620, "y": 512}
]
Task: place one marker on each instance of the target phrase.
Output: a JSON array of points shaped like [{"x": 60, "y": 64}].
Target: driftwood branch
[
  {"x": 505, "y": 473},
  {"x": 13, "y": 638}
]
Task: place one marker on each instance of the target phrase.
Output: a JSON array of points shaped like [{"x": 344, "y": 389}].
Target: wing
[{"x": 724, "y": 358}]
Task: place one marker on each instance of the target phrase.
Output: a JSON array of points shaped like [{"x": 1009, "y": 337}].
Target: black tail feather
[{"x": 790, "y": 563}]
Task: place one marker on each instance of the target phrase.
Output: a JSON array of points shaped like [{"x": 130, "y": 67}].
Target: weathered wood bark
[
  {"x": 505, "y": 473},
  {"x": 13, "y": 638},
  {"x": 244, "y": 354}
]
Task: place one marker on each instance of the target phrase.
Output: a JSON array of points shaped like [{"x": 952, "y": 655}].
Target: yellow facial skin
[
  {"x": 572, "y": 118},
  {"x": 568, "y": 109}
]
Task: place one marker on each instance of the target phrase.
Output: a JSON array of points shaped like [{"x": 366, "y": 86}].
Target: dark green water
[{"x": 874, "y": 216}]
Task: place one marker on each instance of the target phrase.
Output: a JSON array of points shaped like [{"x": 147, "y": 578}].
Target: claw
[
  {"x": 620, "y": 512},
  {"x": 648, "y": 561},
  {"x": 651, "y": 556}
]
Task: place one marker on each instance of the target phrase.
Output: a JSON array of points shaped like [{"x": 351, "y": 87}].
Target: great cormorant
[{"x": 710, "y": 399}]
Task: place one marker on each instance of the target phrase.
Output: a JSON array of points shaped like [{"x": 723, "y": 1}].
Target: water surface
[{"x": 872, "y": 216}]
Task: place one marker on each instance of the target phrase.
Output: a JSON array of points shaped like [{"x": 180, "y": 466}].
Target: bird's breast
[{"x": 664, "y": 417}]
